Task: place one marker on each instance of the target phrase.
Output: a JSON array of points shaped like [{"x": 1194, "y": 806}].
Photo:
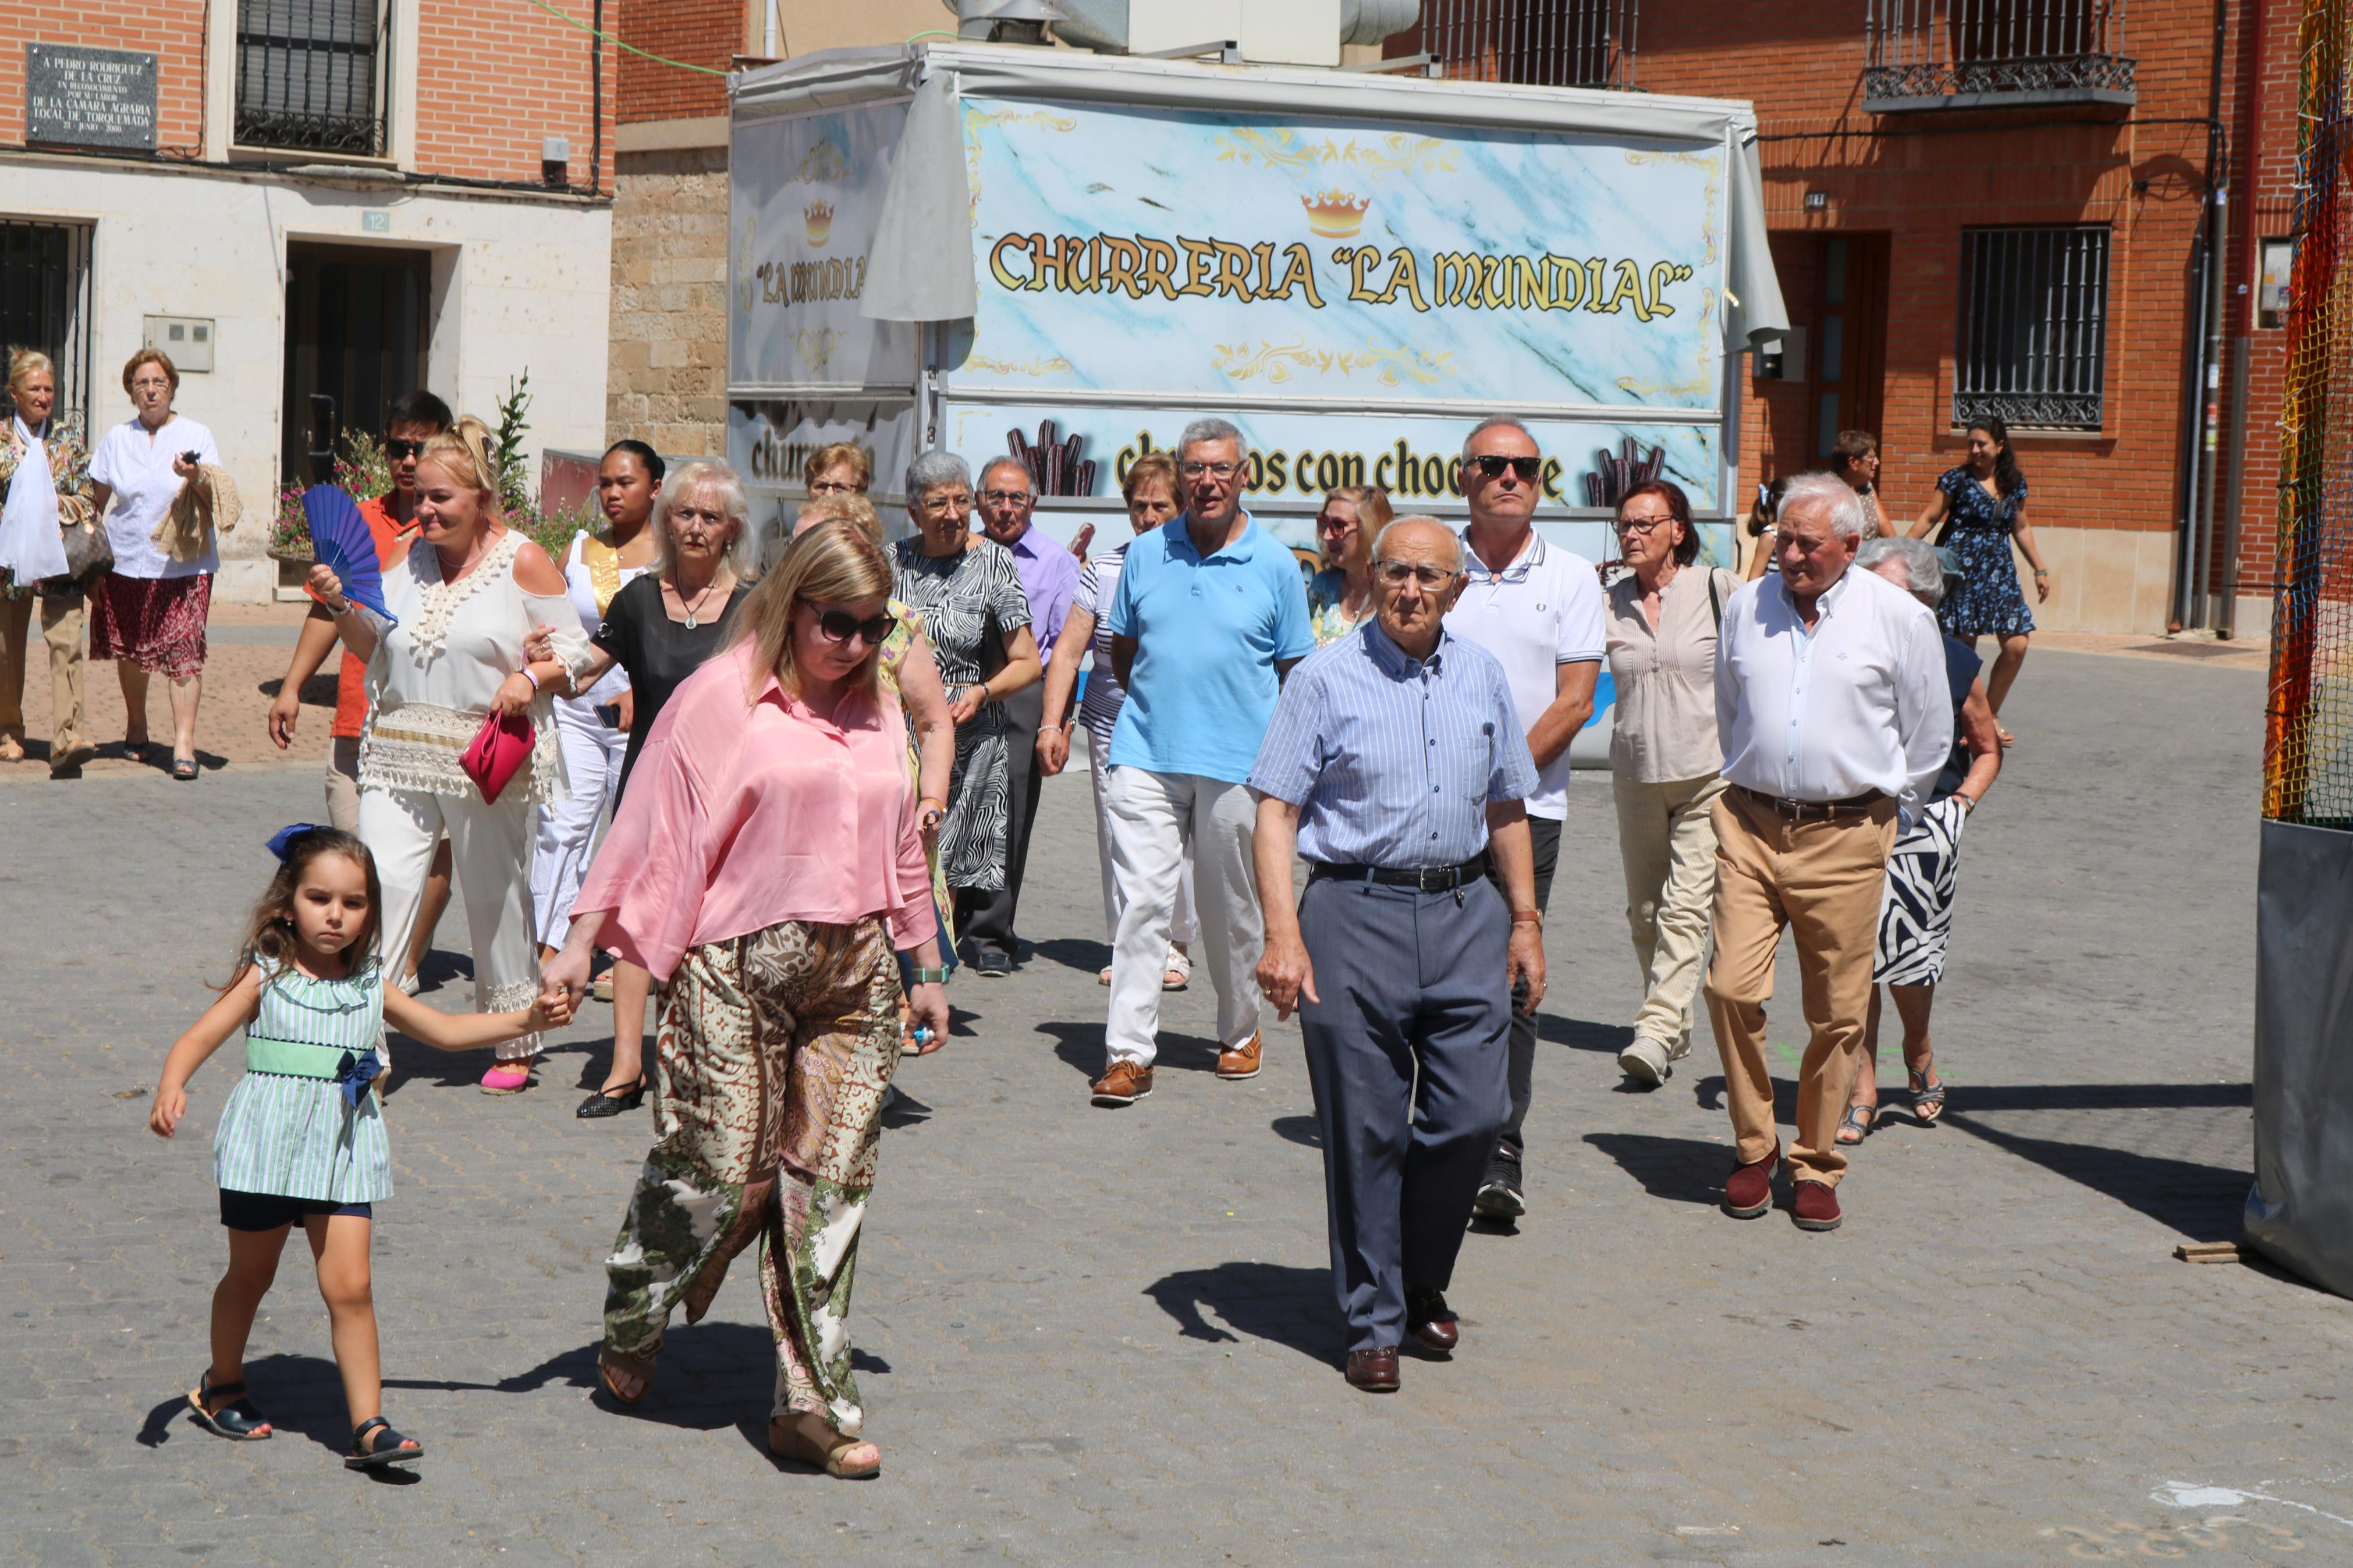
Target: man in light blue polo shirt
[{"x": 1208, "y": 616}]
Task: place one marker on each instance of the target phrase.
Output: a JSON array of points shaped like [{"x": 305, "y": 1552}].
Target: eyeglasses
[
  {"x": 1493, "y": 466},
  {"x": 1336, "y": 525},
  {"x": 1214, "y": 470},
  {"x": 1005, "y": 497},
  {"x": 955, "y": 505},
  {"x": 1397, "y": 572},
  {"x": 400, "y": 451},
  {"x": 1641, "y": 524},
  {"x": 840, "y": 625},
  {"x": 833, "y": 488}
]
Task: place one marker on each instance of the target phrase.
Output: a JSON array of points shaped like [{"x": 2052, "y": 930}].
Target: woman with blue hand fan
[
  {"x": 451, "y": 681},
  {"x": 301, "y": 1139}
]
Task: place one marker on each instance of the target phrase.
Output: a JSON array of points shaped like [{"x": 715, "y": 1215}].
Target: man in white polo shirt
[{"x": 1539, "y": 609}]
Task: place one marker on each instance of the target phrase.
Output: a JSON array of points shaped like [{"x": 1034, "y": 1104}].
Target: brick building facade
[
  {"x": 1944, "y": 179},
  {"x": 313, "y": 210}
]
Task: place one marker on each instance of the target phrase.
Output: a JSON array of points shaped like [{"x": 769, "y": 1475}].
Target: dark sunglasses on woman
[{"x": 840, "y": 625}]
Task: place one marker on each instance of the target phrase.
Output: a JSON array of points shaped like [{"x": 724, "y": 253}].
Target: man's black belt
[
  {"x": 1815, "y": 810},
  {"x": 1427, "y": 878}
]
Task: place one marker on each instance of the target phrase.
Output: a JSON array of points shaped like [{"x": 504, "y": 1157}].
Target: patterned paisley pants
[{"x": 772, "y": 1054}]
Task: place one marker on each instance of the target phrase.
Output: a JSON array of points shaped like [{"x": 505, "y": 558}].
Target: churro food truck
[{"x": 1064, "y": 257}]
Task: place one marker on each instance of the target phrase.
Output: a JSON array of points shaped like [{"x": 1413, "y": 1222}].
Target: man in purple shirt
[{"x": 1049, "y": 577}]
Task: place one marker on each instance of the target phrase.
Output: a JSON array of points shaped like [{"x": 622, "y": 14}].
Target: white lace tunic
[{"x": 432, "y": 677}]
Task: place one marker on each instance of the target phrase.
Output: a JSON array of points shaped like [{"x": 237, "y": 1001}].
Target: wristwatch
[{"x": 920, "y": 976}]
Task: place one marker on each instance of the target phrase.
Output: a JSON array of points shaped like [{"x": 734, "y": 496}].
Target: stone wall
[{"x": 667, "y": 384}]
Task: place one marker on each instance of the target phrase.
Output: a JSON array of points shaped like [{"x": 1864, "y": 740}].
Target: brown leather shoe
[
  {"x": 1748, "y": 1191},
  {"x": 1124, "y": 1084},
  {"x": 1815, "y": 1206},
  {"x": 1374, "y": 1371},
  {"x": 1239, "y": 1063},
  {"x": 1431, "y": 1322}
]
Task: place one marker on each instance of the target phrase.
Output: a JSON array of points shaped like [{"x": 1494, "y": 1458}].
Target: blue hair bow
[{"x": 283, "y": 839}]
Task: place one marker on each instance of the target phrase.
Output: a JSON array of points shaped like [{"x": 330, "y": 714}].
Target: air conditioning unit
[{"x": 1270, "y": 32}]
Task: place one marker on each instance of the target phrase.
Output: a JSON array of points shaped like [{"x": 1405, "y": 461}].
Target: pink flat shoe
[{"x": 507, "y": 1078}]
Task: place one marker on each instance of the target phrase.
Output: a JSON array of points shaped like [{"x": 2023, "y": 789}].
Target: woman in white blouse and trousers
[
  {"x": 464, "y": 596},
  {"x": 1663, "y": 757},
  {"x": 594, "y": 571}
]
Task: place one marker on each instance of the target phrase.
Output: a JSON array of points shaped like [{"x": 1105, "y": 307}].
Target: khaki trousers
[
  {"x": 1666, "y": 837},
  {"x": 61, "y": 629},
  {"x": 1822, "y": 880}
]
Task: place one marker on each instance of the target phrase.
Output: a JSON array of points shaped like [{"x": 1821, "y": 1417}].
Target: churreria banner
[{"x": 1174, "y": 253}]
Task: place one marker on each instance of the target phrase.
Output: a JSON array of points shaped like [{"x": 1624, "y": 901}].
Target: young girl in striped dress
[{"x": 301, "y": 1138}]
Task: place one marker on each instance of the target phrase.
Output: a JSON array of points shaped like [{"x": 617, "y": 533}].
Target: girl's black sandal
[
  {"x": 386, "y": 1451},
  {"x": 237, "y": 1420}
]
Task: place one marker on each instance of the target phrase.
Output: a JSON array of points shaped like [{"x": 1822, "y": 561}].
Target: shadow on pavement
[
  {"x": 300, "y": 1396},
  {"x": 1070, "y": 953},
  {"x": 1583, "y": 1034},
  {"x": 1682, "y": 1170},
  {"x": 1287, "y": 1306},
  {"x": 1299, "y": 1129},
  {"x": 1082, "y": 1047}
]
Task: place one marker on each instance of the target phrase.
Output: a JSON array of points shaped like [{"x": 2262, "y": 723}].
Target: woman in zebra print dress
[{"x": 1916, "y": 908}]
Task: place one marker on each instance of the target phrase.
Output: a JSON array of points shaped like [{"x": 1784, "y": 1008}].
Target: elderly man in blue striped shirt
[{"x": 1396, "y": 766}]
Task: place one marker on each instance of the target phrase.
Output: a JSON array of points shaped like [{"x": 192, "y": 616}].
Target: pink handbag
[{"x": 500, "y": 747}]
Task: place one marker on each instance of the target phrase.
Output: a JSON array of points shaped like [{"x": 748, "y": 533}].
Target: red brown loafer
[
  {"x": 1241, "y": 1062},
  {"x": 1374, "y": 1371},
  {"x": 1815, "y": 1206},
  {"x": 1430, "y": 1322},
  {"x": 1748, "y": 1191}
]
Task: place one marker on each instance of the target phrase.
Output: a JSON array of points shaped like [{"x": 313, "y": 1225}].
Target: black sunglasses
[
  {"x": 400, "y": 451},
  {"x": 1493, "y": 467},
  {"x": 840, "y": 625}
]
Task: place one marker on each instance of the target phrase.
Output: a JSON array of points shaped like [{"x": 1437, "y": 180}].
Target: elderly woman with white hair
[
  {"x": 1915, "y": 909},
  {"x": 966, "y": 590},
  {"x": 656, "y": 631}
]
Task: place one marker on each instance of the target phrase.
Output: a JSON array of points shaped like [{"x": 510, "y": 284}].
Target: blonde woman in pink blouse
[{"x": 767, "y": 871}]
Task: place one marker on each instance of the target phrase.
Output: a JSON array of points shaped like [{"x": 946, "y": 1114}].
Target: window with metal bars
[
  {"x": 1540, "y": 43},
  {"x": 2034, "y": 326},
  {"x": 309, "y": 75},
  {"x": 45, "y": 302}
]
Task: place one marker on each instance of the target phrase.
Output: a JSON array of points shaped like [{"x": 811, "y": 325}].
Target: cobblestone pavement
[{"x": 1106, "y": 1337}]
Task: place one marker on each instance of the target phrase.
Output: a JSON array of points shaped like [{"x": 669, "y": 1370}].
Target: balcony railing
[
  {"x": 1989, "y": 54},
  {"x": 309, "y": 75},
  {"x": 1536, "y": 43}
]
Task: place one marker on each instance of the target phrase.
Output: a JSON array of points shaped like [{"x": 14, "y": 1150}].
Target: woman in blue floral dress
[{"x": 1982, "y": 508}]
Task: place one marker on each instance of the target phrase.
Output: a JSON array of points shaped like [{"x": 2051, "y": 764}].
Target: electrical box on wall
[
  {"x": 187, "y": 339},
  {"x": 1783, "y": 358}
]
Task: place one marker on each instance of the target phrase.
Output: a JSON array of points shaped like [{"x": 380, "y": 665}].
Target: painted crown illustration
[
  {"x": 1335, "y": 215},
  {"x": 819, "y": 215}
]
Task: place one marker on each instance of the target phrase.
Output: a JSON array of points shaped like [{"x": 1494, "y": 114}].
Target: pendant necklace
[{"x": 691, "y": 622}]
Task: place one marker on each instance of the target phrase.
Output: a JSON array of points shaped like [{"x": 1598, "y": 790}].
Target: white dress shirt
[
  {"x": 1542, "y": 611},
  {"x": 1859, "y": 703}
]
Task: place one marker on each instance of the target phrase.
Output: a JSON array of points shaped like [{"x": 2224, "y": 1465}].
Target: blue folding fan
[{"x": 339, "y": 539}]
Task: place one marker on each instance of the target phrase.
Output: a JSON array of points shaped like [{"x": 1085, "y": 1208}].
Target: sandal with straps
[
  {"x": 237, "y": 1420},
  {"x": 829, "y": 1452},
  {"x": 390, "y": 1447},
  {"x": 1858, "y": 1119},
  {"x": 1927, "y": 1099},
  {"x": 640, "y": 1366}
]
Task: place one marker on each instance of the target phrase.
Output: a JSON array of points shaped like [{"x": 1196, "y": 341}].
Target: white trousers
[
  {"x": 1155, "y": 818},
  {"x": 1666, "y": 836},
  {"x": 1183, "y": 925},
  {"x": 490, "y": 850},
  {"x": 567, "y": 833}
]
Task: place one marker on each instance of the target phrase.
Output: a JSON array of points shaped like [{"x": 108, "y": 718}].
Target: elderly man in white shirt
[{"x": 1832, "y": 704}]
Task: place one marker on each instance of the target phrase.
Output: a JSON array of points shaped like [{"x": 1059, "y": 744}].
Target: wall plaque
[{"x": 77, "y": 97}]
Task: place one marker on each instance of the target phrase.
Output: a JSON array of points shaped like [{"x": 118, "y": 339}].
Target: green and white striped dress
[{"x": 289, "y": 1130}]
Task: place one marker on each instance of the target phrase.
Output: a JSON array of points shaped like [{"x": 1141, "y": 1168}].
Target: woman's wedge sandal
[
  {"x": 830, "y": 1453},
  {"x": 237, "y": 1420},
  {"x": 641, "y": 1367},
  {"x": 389, "y": 1447},
  {"x": 1927, "y": 1099}
]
